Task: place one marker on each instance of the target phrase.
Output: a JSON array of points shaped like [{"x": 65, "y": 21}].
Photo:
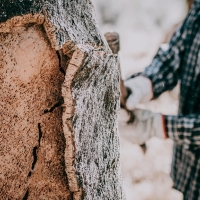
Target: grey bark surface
[{"x": 59, "y": 102}]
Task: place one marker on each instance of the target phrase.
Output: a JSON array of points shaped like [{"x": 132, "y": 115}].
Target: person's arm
[
  {"x": 184, "y": 130},
  {"x": 162, "y": 75},
  {"x": 165, "y": 69}
]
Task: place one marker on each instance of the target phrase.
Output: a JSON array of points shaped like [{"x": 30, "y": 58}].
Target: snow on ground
[
  {"x": 146, "y": 176},
  {"x": 143, "y": 26}
]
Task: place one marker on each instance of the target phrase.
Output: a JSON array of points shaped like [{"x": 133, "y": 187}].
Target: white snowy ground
[{"x": 142, "y": 26}]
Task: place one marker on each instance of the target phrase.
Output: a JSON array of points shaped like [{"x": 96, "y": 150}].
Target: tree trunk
[{"x": 59, "y": 98}]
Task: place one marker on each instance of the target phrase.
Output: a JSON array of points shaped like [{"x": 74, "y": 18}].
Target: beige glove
[
  {"x": 141, "y": 91},
  {"x": 146, "y": 125}
]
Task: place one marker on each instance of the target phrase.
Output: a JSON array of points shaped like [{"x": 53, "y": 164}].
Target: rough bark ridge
[{"x": 63, "y": 147}]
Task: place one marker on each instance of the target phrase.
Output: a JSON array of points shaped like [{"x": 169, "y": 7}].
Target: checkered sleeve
[
  {"x": 184, "y": 130},
  {"x": 165, "y": 69}
]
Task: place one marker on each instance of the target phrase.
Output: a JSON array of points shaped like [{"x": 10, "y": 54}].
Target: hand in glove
[
  {"x": 140, "y": 91},
  {"x": 146, "y": 125}
]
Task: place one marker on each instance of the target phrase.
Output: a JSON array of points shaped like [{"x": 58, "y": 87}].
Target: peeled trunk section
[
  {"x": 59, "y": 98},
  {"x": 32, "y": 140}
]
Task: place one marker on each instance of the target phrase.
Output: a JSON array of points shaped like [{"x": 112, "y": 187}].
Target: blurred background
[{"x": 143, "y": 25}]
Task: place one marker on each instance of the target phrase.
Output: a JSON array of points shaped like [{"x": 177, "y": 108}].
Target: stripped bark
[{"x": 59, "y": 101}]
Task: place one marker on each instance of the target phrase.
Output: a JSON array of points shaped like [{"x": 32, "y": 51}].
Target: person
[{"x": 180, "y": 62}]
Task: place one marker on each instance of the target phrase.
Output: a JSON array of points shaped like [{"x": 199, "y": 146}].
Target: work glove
[
  {"x": 145, "y": 125},
  {"x": 140, "y": 91}
]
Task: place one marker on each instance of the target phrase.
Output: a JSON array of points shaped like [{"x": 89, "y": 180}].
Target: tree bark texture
[{"x": 59, "y": 98}]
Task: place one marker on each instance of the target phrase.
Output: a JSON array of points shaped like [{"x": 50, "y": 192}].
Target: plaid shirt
[{"x": 181, "y": 62}]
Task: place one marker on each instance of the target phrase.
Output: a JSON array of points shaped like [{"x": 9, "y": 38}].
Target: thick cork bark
[{"x": 59, "y": 101}]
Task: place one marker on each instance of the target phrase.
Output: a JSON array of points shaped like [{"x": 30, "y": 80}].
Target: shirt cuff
[
  {"x": 171, "y": 127},
  {"x": 179, "y": 129}
]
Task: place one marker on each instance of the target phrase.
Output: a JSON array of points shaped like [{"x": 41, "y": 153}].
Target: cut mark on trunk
[
  {"x": 40, "y": 133},
  {"x": 58, "y": 104},
  {"x": 26, "y": 195},
  {"x": 35, "y": 149},
  {"x": 29, "y": 174},
  {"x": 34, "y": 157},
  {"x": 60, "y": 62}
]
